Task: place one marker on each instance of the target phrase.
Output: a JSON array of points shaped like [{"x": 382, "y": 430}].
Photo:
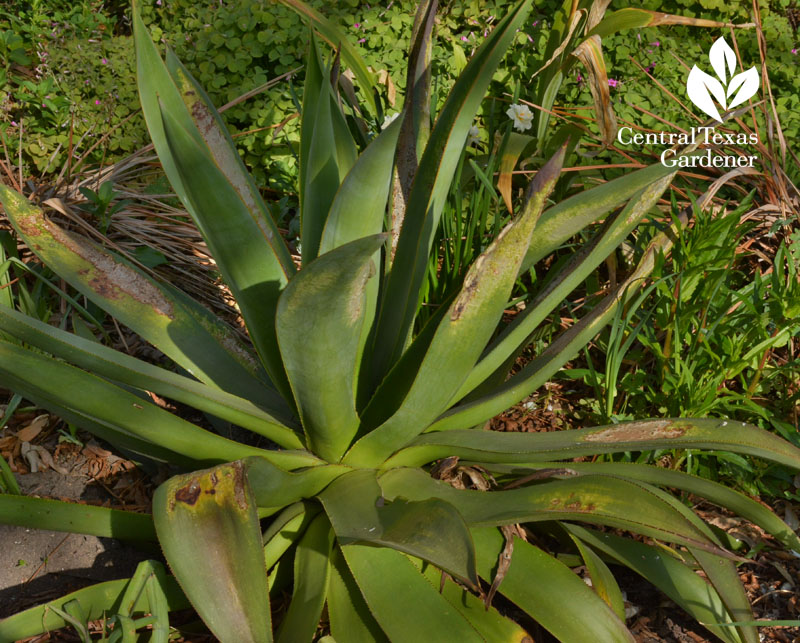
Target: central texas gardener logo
[{"x": 730, "y": 90}]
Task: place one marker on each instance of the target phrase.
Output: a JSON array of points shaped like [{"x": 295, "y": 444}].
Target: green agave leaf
[
  {"x": 491, "y": 625},
  {"x": 56, "y": 515},
  {"x": 549, "y": 591},
  {"x": 311, "y": 574},
  {"x": 430, "y": 188},
  {"x": 708, "y": 433},
  {"x": 286, "y": 529},
  {"x": 566, "y": 218},
  {"x": 359, "y": 208},
  {"x": 235, "y": 239},
  {"x": 338, "y": 40},
  {"x": 209, "y": 530},
  {"x": 713, "y": 491},
  {"x": 669, "y": 574},
  {"x": 252, "y": 211},
  {"x": 415, "y": 117},
  {"x": 156, "y": 86},
  {"x": 275, "y": 488},
  {"x": 463, "y": 331},
  {"x": 217, "y": 191},
  {"x": 536, "y": 372},
  {"x": 350, "y": 617},
  {"x": 115, "y": 365},
  {"x": 96, "y": 602},
  {"x": 84, "y": 395},
  {"x": 723, "y": 576},
  {"x": 320, "y": 320},
  {"x": 515, "y": 334},
  {"x": 594, "y": 499},
  {"x": 178, "y": 326},
  {"x": 408, "y": 608},
  {"x": 603, "y": 581},
  {"x": 429, "y": 528},
  {"x": 327, "y": 153}
]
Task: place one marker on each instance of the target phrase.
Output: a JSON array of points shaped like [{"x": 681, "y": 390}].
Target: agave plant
[{"x": 379, "y": 502}]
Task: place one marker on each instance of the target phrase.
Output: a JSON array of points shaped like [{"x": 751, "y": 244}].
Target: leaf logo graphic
[{"x": 703, "y": 89}]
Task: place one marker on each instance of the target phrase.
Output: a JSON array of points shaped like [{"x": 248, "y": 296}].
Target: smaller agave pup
[{"x": 355, "y": 514}]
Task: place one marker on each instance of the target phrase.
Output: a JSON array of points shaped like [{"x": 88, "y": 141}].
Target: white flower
[
  {"x": 388, "y": 120},
  {"x": 521, "y": 115},
  {"x": 474, "y": 136}
]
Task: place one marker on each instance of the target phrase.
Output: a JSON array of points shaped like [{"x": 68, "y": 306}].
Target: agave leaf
[
  {"x": 96, "y": 602},
  {"x": 594, "y": 499},
  {"x": 429, "y": 529},
  {"x": 463, "y": 331},
  {"x": 87, "y": 396},
  {"x": 311, "y": 573},
  {"x": 155, "y": 85},
  {"x": 669, "y": 574},
  {"x": 275, "y": 488},
  {"x": 115, "y": 365},
  {"x": 208, "y": 528},
  {"x": 708, "y": 433},
  {"x": 337, "y": 40},
  {"x": 327, "y": 153},
  {"x": 350, "y": 617},
  {"x": 245, "y": 222},
  {"x": 567, "y": 217},
  {"x": 492, "y": 625},
  {"x": 235, "y": 239},
  {"x": 41, "y": 513},
  {"x": 285, "y": 530},
  {"x": 178, "y": 326},
  {"x": 320, "y": 320},
  {"x": 697, "y": 433},
  {"x": 416, "y": 115},
  {"x": 253, "y": 212},
  {"x": 359, "y": 208},
  {"x": 513, "y": 336},
  {"x": 409, "y": 609},
  {"x": 723, "y": 576},
  {"x": 548, "y": 590},
  {"x": 715, "y": 492},
  {"x": 429, "y": 192},
  {"x": 603, "y": 580},
  {"x": 536, "y": 372}
]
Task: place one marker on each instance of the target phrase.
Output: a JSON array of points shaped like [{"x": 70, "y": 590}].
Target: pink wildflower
[
  {"x": 360, "y": 40},
  {"x": 357, "y": 25},
  {"x": 104, "y": 61},
  {"x": 96, "y": 102},
  {"x": 612, "y": 82}
]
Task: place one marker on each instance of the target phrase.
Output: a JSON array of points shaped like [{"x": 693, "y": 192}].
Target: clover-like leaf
[
  {"x": 701, "y": 87},
  {"x": 746, "y": 83},
  {"x": 721, "y": 55}
]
